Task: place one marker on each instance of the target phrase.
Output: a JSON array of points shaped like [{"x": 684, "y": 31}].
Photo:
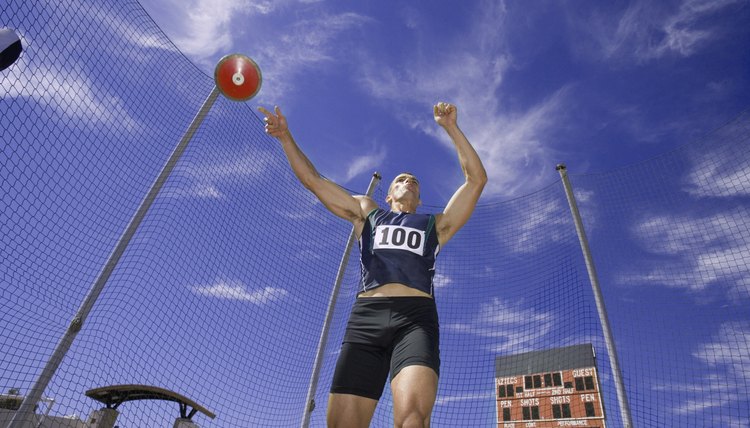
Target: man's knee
[
  {"x": 413, "y": 419},
  {"x": 414, "y": 390}
]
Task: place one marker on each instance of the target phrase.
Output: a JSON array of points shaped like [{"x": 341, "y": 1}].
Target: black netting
[
  {"x": 222, "y": 293},
  {"x": 670, "y": 238}
]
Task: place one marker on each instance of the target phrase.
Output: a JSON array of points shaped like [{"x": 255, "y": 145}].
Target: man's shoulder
[{"x": 367, "y": 204}]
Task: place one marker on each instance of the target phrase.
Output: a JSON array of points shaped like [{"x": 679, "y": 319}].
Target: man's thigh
[
  {"x": 361, "y": 370},
  {"x": 414, "y": 391},
  {"x": 350, "y": 411}
]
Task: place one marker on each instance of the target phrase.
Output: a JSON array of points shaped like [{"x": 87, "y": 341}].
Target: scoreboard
[{"x": 552, "y": 388}]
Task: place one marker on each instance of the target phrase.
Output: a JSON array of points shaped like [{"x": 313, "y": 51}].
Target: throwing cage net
[{"x": 221, "y": 295}]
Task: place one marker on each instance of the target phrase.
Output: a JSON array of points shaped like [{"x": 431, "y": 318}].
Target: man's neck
[{"x": 403, "y": 208}]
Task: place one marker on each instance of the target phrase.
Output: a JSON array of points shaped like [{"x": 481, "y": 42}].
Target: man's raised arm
[
  {"x": 336, "y": 199},
  {"x": 462, "y": 203}
]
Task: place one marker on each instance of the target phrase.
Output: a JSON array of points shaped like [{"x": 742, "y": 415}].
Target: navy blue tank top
[{"x": 398, "y": 247}]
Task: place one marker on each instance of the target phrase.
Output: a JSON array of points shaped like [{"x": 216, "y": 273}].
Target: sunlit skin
[
  {"x": 402, "y": 192},
  {"x": 414, "y": 389}
]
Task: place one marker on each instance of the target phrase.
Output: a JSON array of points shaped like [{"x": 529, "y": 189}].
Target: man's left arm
[{"x": 464, "y": 200}]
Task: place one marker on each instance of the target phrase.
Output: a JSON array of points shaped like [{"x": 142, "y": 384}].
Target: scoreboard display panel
[{"x": 552, "y": 388}]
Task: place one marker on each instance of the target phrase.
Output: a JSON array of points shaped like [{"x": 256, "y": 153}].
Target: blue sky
[
  {"x": 203, "y": 300},
  {"x": 597, "y": 85}
]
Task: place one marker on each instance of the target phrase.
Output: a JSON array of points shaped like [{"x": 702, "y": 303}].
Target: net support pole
[
  {"x": 310, "y": 400},
  {"x": 24, "y": 416},
  {"x": 622, "y": 399}
]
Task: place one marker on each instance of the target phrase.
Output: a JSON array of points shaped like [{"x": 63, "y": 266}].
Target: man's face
[{"x": 403, "y": 185}]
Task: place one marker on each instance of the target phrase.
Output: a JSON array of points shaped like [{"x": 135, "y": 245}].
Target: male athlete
[{"x": 393, "y": 326}]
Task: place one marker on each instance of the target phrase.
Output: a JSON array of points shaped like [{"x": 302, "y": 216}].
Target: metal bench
[{"x": 113, "y": 396}]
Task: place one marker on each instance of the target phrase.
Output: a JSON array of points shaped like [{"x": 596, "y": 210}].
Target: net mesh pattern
[
  {"x": 222, "y": 293},
  {"x": 669, "y": 237}
]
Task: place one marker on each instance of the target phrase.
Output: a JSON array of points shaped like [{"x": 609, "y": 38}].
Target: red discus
[{"x": 238, "y": 77}]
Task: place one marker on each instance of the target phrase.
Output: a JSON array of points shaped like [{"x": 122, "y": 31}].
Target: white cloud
[
  {"x": 727, "y": 357},
  {"x": 709, "y": 249},
  {"x": 512, "y": 144},
  {"x": 470, "y": 73},
  {"x": 722, "y": 253},
  {"x": 720, "y": 173},
  {"x": 674, "y": 275},
  {"x": 702, "y": 251},
  {"x": 682, "y": 36},
  {"x": 138, "y": 35},
  {"x": 713, "y": 181},
  {"x": 201, "y": 27},
  {"x": 647, "y": 30},
  {"x": 69, "y": 92},
  {"x": 70, "y": 89},
  {"x": 307, "y": 254},
  {"x": 96, "y": 16},
  {"x": 206, "y": 31},
  {"x": 363, "y": 164},
  {"x": 304, "y": 45},
  {"x": 729, "y": 350},
  {"x": 477, "y": 396},
  {"x": 511, "y": 328},
  {"x": 714, "y": 393},
  {"x": 541, "y": 226},
  {"x": 673, "y": 235},
  {"x": 442, "y": 280},
  {"x": 204, "y": 180},
  {"x": 236, "y": 290}
]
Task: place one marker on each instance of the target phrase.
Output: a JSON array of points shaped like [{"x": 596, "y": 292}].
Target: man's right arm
[{"x": 334, "y": 198}]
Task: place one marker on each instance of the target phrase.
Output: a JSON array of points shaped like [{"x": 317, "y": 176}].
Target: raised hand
[
  {"x": 445, "y": 114},
  {"x": 276, "y": 125}
]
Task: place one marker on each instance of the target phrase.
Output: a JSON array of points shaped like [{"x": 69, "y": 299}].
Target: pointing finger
[
  {"x": 265, "y": 112},
  {"x": 279, "y": 115}
]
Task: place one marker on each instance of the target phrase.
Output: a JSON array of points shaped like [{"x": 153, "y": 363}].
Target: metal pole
[
  {"x": 603, "y": 319},
  {"x": 310, "y": 400},
  {"x": 23, "y": 416}
]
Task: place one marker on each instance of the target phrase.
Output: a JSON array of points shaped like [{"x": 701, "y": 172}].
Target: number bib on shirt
[
  {"x": 390, "y": 237},
  {"x": 398, "y": 247}
]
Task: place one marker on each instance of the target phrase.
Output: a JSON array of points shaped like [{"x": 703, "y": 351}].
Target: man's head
[{"x": 404, "y": 189}]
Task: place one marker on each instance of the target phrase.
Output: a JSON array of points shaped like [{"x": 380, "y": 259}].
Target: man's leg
[
  {"x": 350, "y": 411},
  {"x": 414, "y": 390},
  {"x": 358, "y": 381}
]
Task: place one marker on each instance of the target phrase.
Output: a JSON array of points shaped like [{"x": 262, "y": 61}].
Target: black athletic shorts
[{"x": 386, "y": 334}]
